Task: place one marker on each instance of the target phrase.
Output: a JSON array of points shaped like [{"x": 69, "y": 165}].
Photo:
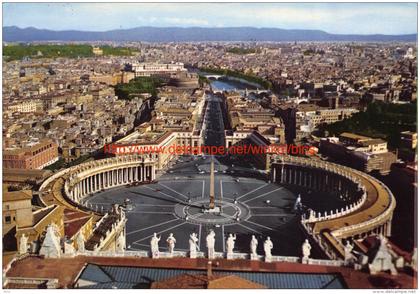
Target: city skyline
[
  {"x": 337, "y": 18},
  {"x": 210, "y": 146}
]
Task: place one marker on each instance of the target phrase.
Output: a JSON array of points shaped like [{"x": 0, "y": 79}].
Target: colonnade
[
  {"x": 316, "y": 179},
  {"x": 351, "y": 186},
  {"x": 111, "y": 178},
  {"x": 384, "y": 230}
]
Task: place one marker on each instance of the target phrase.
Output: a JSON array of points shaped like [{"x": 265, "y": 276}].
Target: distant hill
[{"x": 176, "y": 34}]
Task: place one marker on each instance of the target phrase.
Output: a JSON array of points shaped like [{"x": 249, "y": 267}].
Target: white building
[{"x": 153, "y": 69}]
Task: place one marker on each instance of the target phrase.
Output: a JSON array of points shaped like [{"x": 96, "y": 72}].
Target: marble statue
[
  {"x": 306, "y": 251},
  {"x": 348, "y": 256},
  {"x": 210, "y": 240},
  {"x": 193, "y": 245},
  {"x": 230, "y": 244},
  {"x": 414, "y": 259},
  {"x": 51, "y": 247},
  {"x": 312, "y": 215},
  {"x": 23, "y": 244},
  {"x": 171, "y": 243},
  {"x": 121, "y": 242},
  {"x": 383, "y": 259},
  {"x": 253, "y": 248},
  {"x": 399, "y": 262},
  {"x": 80, "y": 243},
  {"x": 268, "y": 246},
  {"x": 154, "y": 246},
  {"x": 298, "y": 203},
  {"x": 69, "y": 249},
  {"x": 253, "y": 245}
]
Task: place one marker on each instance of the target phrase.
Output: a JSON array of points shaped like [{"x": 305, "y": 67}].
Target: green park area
[
  {"x": 60, "y": 164},
  {"x": 19, "y": 51},
  {"x": 139, "y": 85},
  {"x": 380, "y": 120}
]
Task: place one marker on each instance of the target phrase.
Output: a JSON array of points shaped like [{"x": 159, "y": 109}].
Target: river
[{"x": 225, "y": 84}]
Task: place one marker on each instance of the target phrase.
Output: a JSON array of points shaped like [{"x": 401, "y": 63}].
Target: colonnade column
[
  {"x": 136, "y": 173},
  {"x": 389, "y": 227},
  {"x": 90, "y": 184},
  {"x": 85, "y": 187},
  {"x": 141, "y": 173}
]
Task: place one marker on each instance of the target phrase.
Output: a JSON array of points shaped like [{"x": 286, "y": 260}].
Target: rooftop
[
  {"x": 129, "y": 271},
  {"x": 17, "y": 195}
]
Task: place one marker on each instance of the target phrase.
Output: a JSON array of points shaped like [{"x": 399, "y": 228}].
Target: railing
[
  {"x": 336, "y": 263},
  {"x": 379, "y": 220},
  {"x": 100, "y": 221},
  {"x": 115, "y": 227},
  {"x": 285, "y": 259},
  {"x": 217, "y": 255},
  {"x": 349, "y": 209},
  {"x": 50, "y": 283},
  {"x": 9, "y": 266},
  {"x": 139, "y": 253}
]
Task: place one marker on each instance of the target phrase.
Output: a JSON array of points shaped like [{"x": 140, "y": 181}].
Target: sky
[{"x": 340, "y": 18}]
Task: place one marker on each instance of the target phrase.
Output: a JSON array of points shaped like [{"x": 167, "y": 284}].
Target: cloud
[
  {"x": 176, "y": 21},
  {"x": 364, "y": 18}
]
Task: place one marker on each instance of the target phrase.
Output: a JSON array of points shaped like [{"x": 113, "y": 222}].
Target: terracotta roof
[
  {"x": 233, "y": 282},
  {"x": 354, "y": 136},
  {"x": 188, "y": 281},
  {"x": 17, "y": 195},
  {"x": 70, "y": 268},
  {"x": 73, "y": 221}
]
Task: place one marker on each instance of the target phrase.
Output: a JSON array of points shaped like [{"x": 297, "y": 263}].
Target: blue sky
[{"x": 351, "y": 18}]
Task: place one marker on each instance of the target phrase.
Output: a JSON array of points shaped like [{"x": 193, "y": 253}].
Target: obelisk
[{"x": 211, "y": 204}]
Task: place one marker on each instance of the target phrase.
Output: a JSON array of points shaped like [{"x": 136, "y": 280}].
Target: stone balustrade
[
  {"x": 114, "y": 224},
  {"x": 50, "y": 283},
  {"x": 218, "y": 255},
  {"x": 100, "y": 221},
  {"x": 338, "y": 213},
  {"x": 378, "y": 221}
]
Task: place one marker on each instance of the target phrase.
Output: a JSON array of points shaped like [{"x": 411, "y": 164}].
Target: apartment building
[
  {"x": 360, "y": 152},
  {"x": 36, "y": 156}
]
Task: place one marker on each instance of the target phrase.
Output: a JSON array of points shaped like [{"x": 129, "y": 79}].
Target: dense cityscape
[{"x": 261, "y": 164}]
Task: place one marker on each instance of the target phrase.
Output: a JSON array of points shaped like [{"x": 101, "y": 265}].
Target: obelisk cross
[{"x": 211, "y": 204}]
